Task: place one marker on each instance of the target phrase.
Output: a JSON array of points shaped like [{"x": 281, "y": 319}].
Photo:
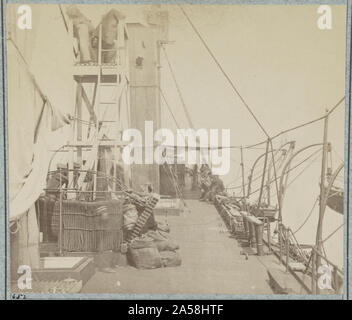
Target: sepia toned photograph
[{"x": 176, "y": 149}]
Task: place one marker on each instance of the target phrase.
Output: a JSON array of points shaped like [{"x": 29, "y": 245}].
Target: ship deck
[{"x": 212, "y": 262}]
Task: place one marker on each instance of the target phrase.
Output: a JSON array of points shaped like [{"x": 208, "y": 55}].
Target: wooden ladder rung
[{"x": 108, "y": 84}]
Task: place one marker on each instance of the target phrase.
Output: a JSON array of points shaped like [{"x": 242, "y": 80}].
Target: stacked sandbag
[
  {"x": 163, "y": 241},
  {"x": 167, "y": 247},
  {"x": 154, "y": 249},
  {"x": 170, "y": 258},
  {"x": 143, "y": 254}
]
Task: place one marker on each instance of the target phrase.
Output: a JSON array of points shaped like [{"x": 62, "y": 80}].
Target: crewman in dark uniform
[
  {"x": 205, "y": 181},
  {"x": 47, "y": 201},
  {"x": 217, "y": 187}
]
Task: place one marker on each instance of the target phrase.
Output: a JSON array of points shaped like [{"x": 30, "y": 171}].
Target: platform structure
[{"x": 101, "y": 91}]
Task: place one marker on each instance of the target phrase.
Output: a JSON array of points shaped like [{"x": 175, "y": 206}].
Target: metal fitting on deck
[{"x": 255, "y": 231}]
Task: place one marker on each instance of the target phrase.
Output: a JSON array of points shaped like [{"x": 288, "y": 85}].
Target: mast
[
  {"x": 158, "y": 80},
  {"x": 264, "y": 172},
  {"x": 242, "y": 167},
  {"x": 322, "y": 197}
]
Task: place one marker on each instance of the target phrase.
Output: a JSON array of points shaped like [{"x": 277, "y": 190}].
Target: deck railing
[{"x": 325, "y": 278}]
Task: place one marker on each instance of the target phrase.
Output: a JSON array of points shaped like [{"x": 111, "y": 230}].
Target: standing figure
[
  {"x": 82, "y": 30},
  {"x": 109, "y": 25}
]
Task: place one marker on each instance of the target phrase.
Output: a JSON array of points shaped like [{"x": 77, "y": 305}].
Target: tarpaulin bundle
[
  {"x": 89, "y": 226},
  {"x": 155, "y": 249}
]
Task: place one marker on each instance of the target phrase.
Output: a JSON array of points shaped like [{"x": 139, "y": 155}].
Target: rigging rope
[
  {"x": 175, "y": 184},
  {"x": 340, "y": 158},
  {"x": 308, "y": 216},
  {"x": 275, "y": 176},
  {"x": 223, "y": 71},
  {"x": 29, "y": 72},
  {"x": 296, "y": 166},
  {"x": 255, "y": 177},
  {"x": 169, "y": 108},
  {"x": 332, "y": 233},
  {"x": 301, "y": 125},
  {"x": 178, "y": 89},
  {"x": 170, "y": 178},
  {"x": 236, "y": 179},
  {"x": 305, "y": 168},
  {"x": 252, "y": 146}
]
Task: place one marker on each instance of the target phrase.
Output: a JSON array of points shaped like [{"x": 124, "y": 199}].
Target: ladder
[{"x": 107, "y": 128}]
